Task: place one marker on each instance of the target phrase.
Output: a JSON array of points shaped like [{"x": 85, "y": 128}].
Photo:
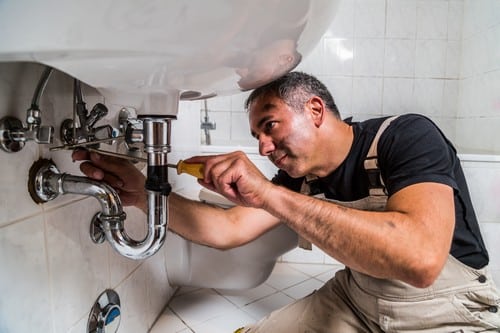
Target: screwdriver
[{"x": 193, "y": 169}]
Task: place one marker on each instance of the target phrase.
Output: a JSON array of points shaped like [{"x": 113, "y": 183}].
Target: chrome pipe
[
  {"x": 46, "y": 183},
  {"x": 157, "y": 231}
]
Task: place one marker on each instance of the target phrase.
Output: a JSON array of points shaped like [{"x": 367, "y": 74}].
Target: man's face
[{"x": 285, "y": 135}]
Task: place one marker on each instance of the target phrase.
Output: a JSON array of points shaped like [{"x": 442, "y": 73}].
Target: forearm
[
  {"x": 198, "y": 222},
  {"x": 214, "y": 226},
  {"x": 381, "y": 244}
]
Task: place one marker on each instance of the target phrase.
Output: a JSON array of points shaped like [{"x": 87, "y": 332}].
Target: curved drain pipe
[{"x": 46, "y": 183}]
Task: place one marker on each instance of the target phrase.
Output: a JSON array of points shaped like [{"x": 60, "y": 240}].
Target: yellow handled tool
[{"x": 193, "y": 169}]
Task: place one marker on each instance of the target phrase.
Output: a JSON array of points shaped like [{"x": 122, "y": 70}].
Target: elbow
[
  {"x": 224, "y": 242},
  {"x": 423, "y": 280},
  {"x": 425, "y": 272}
]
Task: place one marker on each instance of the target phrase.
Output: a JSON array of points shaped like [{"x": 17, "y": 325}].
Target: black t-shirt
[{"x": 411, "y": 150}]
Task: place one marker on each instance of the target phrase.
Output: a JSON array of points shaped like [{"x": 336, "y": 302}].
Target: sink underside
[{"x": 149, "y": 47}]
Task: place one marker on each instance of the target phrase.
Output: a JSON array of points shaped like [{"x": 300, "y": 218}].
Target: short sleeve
[{"x": 413, "y": 150}]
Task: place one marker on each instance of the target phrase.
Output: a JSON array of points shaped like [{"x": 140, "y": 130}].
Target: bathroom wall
[
  {"x": 378, "y": 57},
  {"x": 382, "y": 57},
  {"x": 478, "y": 114},
  {"x": 50, "y": 271}
]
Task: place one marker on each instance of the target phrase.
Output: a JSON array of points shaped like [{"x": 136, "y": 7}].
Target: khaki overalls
[{"x": 462, "y": 299}]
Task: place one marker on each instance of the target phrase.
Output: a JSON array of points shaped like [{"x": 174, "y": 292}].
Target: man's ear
[{"x": 317, "y": 110}]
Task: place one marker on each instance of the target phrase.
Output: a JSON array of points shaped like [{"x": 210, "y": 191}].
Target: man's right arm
[
  {"x": 217, "y": 227},
  {"x": 202, "y": 223}
]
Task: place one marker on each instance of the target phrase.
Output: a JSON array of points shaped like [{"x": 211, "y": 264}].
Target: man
[{"x": 387, "y": 197}]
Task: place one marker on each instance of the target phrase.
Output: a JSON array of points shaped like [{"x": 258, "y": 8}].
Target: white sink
[{"x": 129, "y": 49}]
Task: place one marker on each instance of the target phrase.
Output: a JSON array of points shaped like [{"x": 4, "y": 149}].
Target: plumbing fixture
[
  {"x": 46, "y": 183},
  {"x": 73, "y": 132},
  {"x": 207, "y": 125},
  {"x": 13, "y": 135},
  {"x": 105, "y": 314}
]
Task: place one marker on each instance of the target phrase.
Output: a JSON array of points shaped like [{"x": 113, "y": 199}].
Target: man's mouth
[{"x": 279, "y": 160}]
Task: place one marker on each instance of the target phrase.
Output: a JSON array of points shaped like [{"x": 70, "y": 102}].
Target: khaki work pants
[{"x": 461, "y": 300}]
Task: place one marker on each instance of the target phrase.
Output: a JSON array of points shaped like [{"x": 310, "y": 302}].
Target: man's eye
[{"x": 269, "y": 125}]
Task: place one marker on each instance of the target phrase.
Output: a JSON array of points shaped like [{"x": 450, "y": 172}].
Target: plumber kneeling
[{"x": 386, "y": 197}]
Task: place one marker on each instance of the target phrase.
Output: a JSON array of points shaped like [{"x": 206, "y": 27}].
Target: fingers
[
  {"x": 232, "y": 175},
  {"x": 100, "y": 167},
  {"x": 91, "y": 171},
  {"x": 80, "y": 155}
]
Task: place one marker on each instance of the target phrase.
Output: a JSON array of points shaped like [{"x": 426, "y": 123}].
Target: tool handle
[{"x": 193, "y": 169}]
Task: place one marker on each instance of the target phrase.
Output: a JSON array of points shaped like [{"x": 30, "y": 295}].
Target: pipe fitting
[{"x": 47, "y": 183}]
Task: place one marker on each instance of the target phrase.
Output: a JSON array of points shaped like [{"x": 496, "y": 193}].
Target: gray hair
[{"x": 295, "y": 89}]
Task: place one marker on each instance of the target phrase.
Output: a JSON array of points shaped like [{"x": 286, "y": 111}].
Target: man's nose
[{"x": 266, "y": 146}]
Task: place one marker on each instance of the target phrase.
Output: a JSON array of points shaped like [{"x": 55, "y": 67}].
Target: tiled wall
[
  {"x": 50, "y": 271},
  {"x": 382, "y": 57},
  {"x": 378, "y": 57},
  {"x": 478, "y": 117}
]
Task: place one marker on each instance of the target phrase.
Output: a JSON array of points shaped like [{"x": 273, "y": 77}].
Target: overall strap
[{"x": 377, "y": 186}]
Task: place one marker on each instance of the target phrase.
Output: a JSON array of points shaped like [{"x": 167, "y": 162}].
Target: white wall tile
[
  {"x": 430, "y": 59},
  {"x": 338, "y": 56},
  {"x": 428, "y": 96},
  {"x": 367, "y": 96},
  {"x": 398, "y": 96},
  {"x": 399, "y": 58},
  {"x": 432, "y": 19},
  {"x": 455, "y": 19},
  {"x": 14, "y": 184},
  {"x": 492, "y": 48},
  {"x": 25, "y": 304},
  {"x": 342, "y": 25},
  {"x": 157, "y": 287},
  {"x": 311, "y": 63},
  {"x": 369, "y": 18},
  {"x": 453, "y": 59},
  {"x": 368, "y": 57},
  {"x": 341, "y": 90},
  {"x": 134, "y": 303},
  {"x": 401, "y": 19},
  {"x": 83, "y": 264},
  {"x": 450, "y": 99}
]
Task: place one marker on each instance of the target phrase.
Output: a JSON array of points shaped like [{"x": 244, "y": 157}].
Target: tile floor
[{"x": 211, "y": 310}]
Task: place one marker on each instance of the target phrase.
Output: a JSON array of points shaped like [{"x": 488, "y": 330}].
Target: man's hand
[
  {"x": 235, "y": 177},
  {"x": 119, "y": 173}
]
